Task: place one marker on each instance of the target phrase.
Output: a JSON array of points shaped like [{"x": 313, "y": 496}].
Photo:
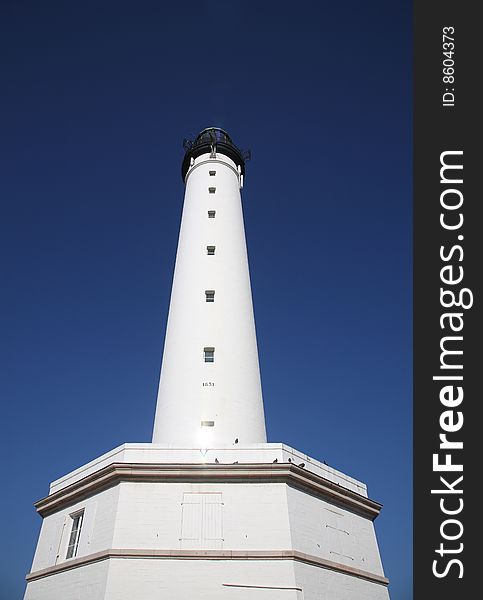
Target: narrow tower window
[
  {"x": 75, "y": 530},
  {"x": 210, "y": 295},
  {"x": 212, "y": 173},
  {"x": 210, "y": 250},
  {"x": 209, "y": 354},
  {"x": 211, "y": 214},
  {"x": 212, "y": 190}
]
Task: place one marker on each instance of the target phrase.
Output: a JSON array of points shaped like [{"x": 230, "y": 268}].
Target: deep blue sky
[{"x": 96, "y": 99}]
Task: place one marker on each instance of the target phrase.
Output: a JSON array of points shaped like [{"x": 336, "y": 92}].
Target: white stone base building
[{"x": 181, "y": 524}]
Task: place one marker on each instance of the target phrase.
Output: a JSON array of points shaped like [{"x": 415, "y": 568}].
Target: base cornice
[
  {"x": 126, "y": 553},
  {"x": 288, "y": 473}
]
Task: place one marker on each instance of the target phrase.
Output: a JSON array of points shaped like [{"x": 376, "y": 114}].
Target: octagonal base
[{"x": 228, "y": 523}]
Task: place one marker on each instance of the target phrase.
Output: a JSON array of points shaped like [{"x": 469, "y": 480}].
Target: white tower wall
[{"x": 224, "y": 395}]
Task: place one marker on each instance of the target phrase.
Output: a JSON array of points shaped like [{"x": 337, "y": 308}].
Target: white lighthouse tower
[
  {"x": 209, "y": 510},
  {"x": 209, "y": 390}
]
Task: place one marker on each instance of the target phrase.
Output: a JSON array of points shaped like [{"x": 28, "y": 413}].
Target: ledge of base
[
  {"x": 233, "y": 454},
  {"x": 245, "y": 555}
]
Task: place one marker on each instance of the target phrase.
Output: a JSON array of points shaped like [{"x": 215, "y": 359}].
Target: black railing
[{"x": 213, "y": 140}]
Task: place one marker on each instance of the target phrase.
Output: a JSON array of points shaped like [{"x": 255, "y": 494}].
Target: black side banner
[{"x": 448, "y": 250}]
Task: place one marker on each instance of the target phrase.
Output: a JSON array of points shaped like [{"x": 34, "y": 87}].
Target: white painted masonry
[
  {"x": 134, "y": 535},
  {"x": 209, "y": 510},
  {"x": 226, "y": 392}
]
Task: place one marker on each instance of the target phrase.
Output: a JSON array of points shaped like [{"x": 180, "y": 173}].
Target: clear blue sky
[{"x": 96, "y": 99}]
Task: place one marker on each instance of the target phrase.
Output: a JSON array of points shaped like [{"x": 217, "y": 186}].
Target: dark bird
[
  {"x": 302, "y": 465},
  {"x": 289, "y": 460},
  {"x": 236, "y": 441},
  {"x": 276, "y": 460},
  {"x": 217, "y": 461},
  {"x": 236, "y": 462}
]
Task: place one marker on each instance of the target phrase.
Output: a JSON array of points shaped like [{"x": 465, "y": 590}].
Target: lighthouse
[
  {"x": 209, "y": 390},
  {"x": 209, "y": 510}
]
